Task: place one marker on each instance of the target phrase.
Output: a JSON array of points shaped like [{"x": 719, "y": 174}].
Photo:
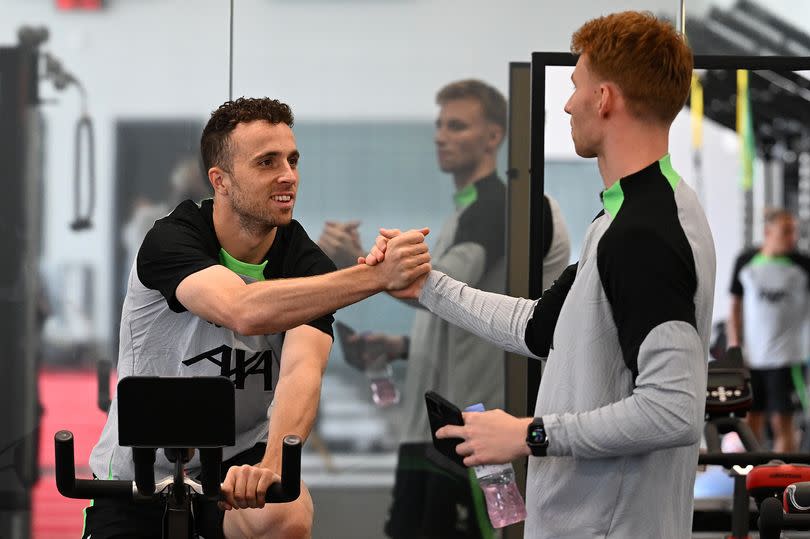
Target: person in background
[{"x": 770, "y": 302}]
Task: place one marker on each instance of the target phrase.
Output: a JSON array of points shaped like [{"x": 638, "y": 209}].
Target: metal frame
[{"x": 542, "y": 60}]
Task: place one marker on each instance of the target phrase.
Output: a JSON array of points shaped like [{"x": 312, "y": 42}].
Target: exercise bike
[{"x": 165, "y": 401}]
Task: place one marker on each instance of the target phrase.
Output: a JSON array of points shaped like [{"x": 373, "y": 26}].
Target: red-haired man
[{"x": 614, "y": 442}]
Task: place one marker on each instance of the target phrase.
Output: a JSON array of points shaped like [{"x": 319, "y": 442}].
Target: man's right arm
[
  {"x": 734, "y": 325},
  {"x": 517, "y": 325},
  {"x": 220, "y": 296}
]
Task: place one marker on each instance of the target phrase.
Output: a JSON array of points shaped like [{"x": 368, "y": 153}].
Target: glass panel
[{"x": 361, "y": 79}]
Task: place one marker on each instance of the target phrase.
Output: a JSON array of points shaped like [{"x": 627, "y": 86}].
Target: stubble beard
[{"x": 253, "y": 218}]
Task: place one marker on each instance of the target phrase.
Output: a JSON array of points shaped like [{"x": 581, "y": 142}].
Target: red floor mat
[{"x": 69, "y": 402}]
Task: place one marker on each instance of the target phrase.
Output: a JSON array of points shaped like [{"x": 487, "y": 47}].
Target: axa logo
[
  {"x": 237, "y": 365},
  {"x": 772, "y": 296}
]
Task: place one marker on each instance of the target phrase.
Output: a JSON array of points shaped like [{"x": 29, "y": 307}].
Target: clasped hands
[
  {"x": 402, "y": 250},
  {"x": 491, "y": 437}
]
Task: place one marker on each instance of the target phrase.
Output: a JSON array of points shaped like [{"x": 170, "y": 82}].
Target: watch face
[{"x": 537, "y": 434}]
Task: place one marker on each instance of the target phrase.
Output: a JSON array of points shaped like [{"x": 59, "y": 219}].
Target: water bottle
[
  {"x": 380, "y": 376},
  {"x": 504, "y": 502}
]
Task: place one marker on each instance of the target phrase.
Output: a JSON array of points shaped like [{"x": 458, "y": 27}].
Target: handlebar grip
[
  {"x": 772, "y": 520},
  {"x": 289, "y": 488},
  {"x": 753, "y": 458},
  {"x": 70, "y": 487}
]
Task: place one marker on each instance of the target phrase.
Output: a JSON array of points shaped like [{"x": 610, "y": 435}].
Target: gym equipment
[
  {"x": 22, "y": 142},
  {"x": 728, "y": 399},
  {"x": 773, "y": 519},
  {"x": 166, "y": 401},
  {"x": 22, "y": 136},
  {"x": 770, "y": 480}
]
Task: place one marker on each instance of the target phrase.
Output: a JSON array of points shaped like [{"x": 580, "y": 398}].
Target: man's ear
[
  {"x": 220, "y": 180},
  {"x": 608, "y": 99},
  {"x": 495, "y": 134}
]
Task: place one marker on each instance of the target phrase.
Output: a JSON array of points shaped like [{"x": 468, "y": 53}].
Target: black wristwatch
[{"x": 536, "y": 437}]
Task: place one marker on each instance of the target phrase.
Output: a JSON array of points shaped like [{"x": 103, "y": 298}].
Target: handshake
[{"x": 401, "y": 259}]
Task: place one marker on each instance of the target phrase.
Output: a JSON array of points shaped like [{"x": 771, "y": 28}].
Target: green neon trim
[
  {"x": 466, "y": 196},
  {"x": 612, "y": 198},
  {"x": 256, "y": 271},
  {"x": 480, "y": 505},
  {"x": 797, "y": 374},
  {"x": 761, "y": 258},
  {"x": 84, "y": 519},
  {"x": 666, "y": 169}
]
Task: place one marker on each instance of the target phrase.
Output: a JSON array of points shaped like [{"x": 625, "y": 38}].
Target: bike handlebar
[
  {"x": 286, "y": 490},
  {"x": 71, "y": 487},
  {"x": 289, "y": 488}
]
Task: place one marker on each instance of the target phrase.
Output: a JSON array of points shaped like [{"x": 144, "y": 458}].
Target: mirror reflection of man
[
  {"x": 469, "y": 130},
  {"x": 770, "y": 300}
]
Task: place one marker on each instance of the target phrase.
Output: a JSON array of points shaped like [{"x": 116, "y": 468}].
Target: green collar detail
[
  {"x": 760, "y": 259},
  {"x": 465, "y": 196},
  {"x": 613, "y": 197},
  {"x": 255, "y": 271},
  {"x": 666, "y": 169}
]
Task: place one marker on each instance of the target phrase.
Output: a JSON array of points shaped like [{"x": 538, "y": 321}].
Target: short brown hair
[
  {"x": 646, "y": 57},
  {"x": 492, "y": 101},
  {"x": 215, "y": 141},
  {"x": 775, "y": 214}
]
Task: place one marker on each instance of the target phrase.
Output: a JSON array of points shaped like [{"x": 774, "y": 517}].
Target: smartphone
[
  {"x": 442, "y": 412},
  {"x": 352, "y": 352}
]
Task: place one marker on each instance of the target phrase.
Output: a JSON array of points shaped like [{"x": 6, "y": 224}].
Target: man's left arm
[
  {"x": 652, "y": 293},
  {"x": 665, "y": 410},
  {"x": 298, "y": 391}
]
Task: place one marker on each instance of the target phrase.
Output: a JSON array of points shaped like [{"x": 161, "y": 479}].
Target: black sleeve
[
  {"x": 648, "y": 281},
  {"x": 305, "y": 260},
  {"x": 803, "y": 262},
  {"x": 171, "y": 251},
  {"x": 484, "y": 223},
  {"x": 736, "y": 288},
  {"x": 540, "y": 329}
]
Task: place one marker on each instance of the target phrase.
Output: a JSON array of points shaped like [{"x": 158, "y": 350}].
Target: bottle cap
[{"x": 477, "y": 407}]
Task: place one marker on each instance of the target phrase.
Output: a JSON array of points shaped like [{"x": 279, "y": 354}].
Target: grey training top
[
  {"x": 626, "y": 335},
  {"x": 775, "y": 293}
]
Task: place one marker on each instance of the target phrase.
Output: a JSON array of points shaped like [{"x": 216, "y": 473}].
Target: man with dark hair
[
  {"x": 770, "y": 301},
  {"x": 235, "y": 287},
  {"x": 613, "y": 446}
]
